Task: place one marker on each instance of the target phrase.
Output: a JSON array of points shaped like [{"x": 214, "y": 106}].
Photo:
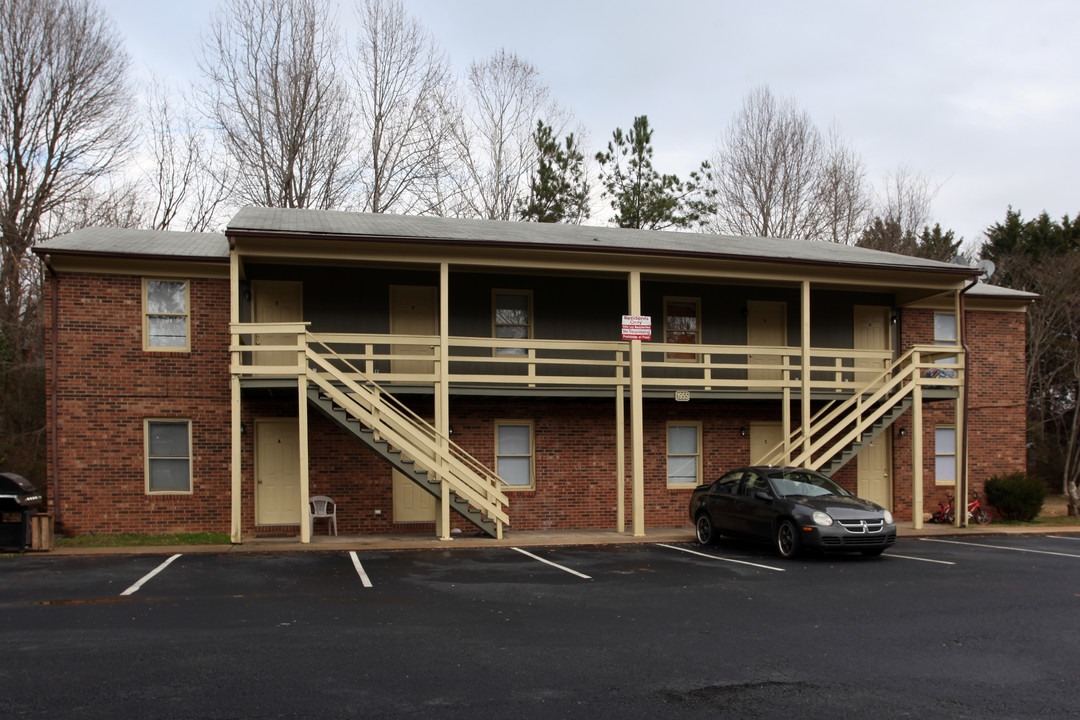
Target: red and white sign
[{"x": 636, "y": 327}]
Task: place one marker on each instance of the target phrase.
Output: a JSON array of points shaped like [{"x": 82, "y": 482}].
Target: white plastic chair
[{"x": 321, "y": 506}]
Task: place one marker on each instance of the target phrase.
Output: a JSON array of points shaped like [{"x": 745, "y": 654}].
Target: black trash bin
[{"x": 18, "y": 501}]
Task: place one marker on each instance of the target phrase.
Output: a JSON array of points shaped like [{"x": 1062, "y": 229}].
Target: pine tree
[
  {"x": 643, "y": 198},
  {"x": 558, "y": 189}
]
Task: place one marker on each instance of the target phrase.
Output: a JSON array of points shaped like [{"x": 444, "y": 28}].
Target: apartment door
[
  {"x": 413, "y": 311},
  {"x": 766, "y": 324},
  {"x": 277, "y": 472},
  {"x": 276, "y": 301},
  {"x": 872, "y": 332},
  {"x": 764, "y": 438},
  {"x": 875, "y": 462},
  {"x": 411, "y": 502}
]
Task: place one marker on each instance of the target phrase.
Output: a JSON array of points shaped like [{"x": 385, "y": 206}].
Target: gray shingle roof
[
  {"x": 157, "y": 243},
  {"x": 368, "y": 225}
]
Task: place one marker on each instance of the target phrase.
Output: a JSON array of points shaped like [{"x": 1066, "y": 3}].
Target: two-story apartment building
[{"x": 442, "y": 375}]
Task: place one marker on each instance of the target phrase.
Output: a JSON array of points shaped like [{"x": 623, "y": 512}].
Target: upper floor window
[
  {"x": 168, "y": 456},
  {"x": 165, "y": 315},
  {"x": 682, "y": 324},
  {"x": 512, "y": 318},
  {"x": 945, "y": 332}
]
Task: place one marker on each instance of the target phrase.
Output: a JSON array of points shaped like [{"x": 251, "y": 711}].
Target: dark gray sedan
[{"x": 793, "y": 508}]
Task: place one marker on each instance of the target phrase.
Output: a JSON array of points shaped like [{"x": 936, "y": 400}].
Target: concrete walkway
[{"x": 538, "y": 538}]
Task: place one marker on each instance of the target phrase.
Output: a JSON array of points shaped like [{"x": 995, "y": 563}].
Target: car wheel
[
  {"x": 787, "y": 539},
  {"x": 872, "y": 552},
  {"x": 706, "y": 531}
]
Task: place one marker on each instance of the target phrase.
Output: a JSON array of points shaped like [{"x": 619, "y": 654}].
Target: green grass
[
  {"x": 135, "y": 540},
  {"x": 1044, "y": 520}
]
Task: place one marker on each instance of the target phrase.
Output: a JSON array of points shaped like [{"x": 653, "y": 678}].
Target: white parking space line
[
  {"x": 723, "y": 559},
  {"x": 1001, "y": 547},
  {"x": 135, "y": 588},
  {"x": 908, "y": 557},
  {"x": 1065, "y": 537},
  {"x": 359, "y": 569},
  {"x": 555, "y": 565}
]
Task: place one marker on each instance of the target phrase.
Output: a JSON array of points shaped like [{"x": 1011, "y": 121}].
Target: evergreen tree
[
  {"x": 936, "y": 245},
  {"x": 887, "y": 235},
  {"x": 559, "y": 188},
  {"x": 641, "y": 197}
]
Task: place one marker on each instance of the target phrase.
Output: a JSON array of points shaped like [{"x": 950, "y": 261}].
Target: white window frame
[
  {"x": 697, "y": 455},
  {"x": 146, "y": 315},
  {"x": 953, "y": 341},
  {"x": 531, "y": 454},
  {"x": 495, "y": 324},
  {"x": 939, "y": 456},
  {"x": 147, "y": 423}
]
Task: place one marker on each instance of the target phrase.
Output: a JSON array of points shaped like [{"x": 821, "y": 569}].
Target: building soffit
[{"x": 910, "y": 284}]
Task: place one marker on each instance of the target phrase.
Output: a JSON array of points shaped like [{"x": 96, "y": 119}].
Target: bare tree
[
  {"x": 843, "y": 192},
  {"x": 65, "y": 104},
  {"x": 274, "y": 92},
  {"x": 402, "y": 80},
  {"x": 778, "y": 176},
  {"x": 505, "y": 98},
  {"x": 1053, "y": 361},
  {"x": 907, "y": 200},
  {"x": 188, "y": 184}
]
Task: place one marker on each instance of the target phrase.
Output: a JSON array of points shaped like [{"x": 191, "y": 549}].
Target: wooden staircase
[
  {"x": 406, "y": 441},
  {"x": 837, "y": 433}
]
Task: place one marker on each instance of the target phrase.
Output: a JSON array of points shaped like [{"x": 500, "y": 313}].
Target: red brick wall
[
  {"x": 107, "y": 386},
  {"x": 996, "y": 407}
]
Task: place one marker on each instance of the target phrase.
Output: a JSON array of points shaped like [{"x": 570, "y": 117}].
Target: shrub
[{"x": 1016, "y": 497}]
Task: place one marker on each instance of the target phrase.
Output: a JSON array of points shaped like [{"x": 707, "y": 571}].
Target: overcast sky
[{"x": 982, "y": 97}]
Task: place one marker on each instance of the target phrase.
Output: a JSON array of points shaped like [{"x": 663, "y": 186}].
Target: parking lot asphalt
[
  {"x": 513, "y": 538},
  {"x": 973, "y": 626}
]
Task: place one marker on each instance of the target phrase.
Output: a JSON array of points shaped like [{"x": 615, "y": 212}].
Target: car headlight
[
  {"x": 888, "y": 517},
  {"x": 821, "y": 518}
]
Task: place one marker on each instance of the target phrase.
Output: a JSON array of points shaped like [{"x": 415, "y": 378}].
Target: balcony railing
[{"x": 271, "y": 350}]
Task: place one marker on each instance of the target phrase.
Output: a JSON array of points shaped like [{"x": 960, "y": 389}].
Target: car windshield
[{"x": 805, "y": 483}]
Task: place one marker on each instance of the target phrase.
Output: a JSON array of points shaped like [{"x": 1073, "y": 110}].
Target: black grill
[{"x": 18, "y": 501}]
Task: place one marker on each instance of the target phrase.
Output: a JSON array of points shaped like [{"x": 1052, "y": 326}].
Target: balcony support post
[
  {"x": 442, "y": 398},
  {"x": 917, "y": 448},
  {"x": 236, "y": 408},
  {"x": 302, "y": 419},
  {"x": 805, "y": 375},
  {"x": 637, "y": 428}
]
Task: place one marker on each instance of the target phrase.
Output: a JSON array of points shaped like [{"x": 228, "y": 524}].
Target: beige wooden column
[
  {"x": 442, "y": 397},
  {"x": 917, "y": 450},
  {"x": 620, "y": 456},
  {"x": 961, "y": 499},
  {"x": 236, "y": 500},
  {"x": 805, "y": 404},
  {"x": 637, "y": 425},
  {"x": 302, "y": 419}
]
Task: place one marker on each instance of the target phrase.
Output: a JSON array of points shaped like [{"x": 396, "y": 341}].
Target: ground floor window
[
  {"x": 945, "y": 455},
  {"x": 683, "y": 454},
  {"x": 514, "y": 453},
  {"x": 168, "y": 456}
]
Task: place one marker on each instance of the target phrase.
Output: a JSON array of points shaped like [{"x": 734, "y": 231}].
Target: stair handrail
[
  {"x": 487, "y": 481},
  {"x": 457, "y": 480},
  {"x": 878, "y": 386},
  {"x": 780, "y": 450}
]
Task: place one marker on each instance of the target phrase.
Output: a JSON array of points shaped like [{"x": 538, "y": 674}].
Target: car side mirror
[{"x": 763, "y": 495}]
